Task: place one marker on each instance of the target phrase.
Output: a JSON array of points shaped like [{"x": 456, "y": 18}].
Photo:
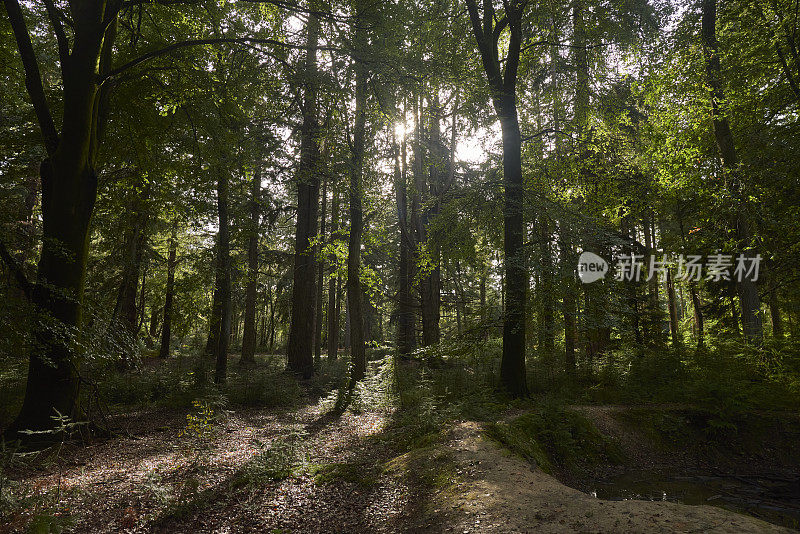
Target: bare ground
[{"x": 155, "y": 480}]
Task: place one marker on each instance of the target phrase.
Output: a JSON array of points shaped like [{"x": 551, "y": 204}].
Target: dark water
[{"x": 773, "y": 498}]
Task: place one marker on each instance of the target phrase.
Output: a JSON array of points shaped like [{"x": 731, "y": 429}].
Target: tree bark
[
  {"x": 223, "y": 278},
  {"x": 673, "y": 311},
  {"x": 354, "y": 290},
  {"x": 503, "y": 85},
  {"x": 333, "y": 285},
  {"x": 166, "y": 331},
  {"x": 69, "y": 191},
  {"x": 775, "y": 315},
  {"x": 126, "y": 309},
  {"x": 320, "y": 277},
  {"x": 431, "y": 283},
  {"x": 301, "y": 330},
  {"x": 405, "y": 308},
  {"x": 251, "y": 291}
]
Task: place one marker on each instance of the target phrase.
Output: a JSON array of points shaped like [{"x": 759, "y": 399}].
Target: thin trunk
[
  {"x": 673, "y": 311},
  {"x": 333, "y": 285},
  {"x": 251, "y": 291},
  {"x": 568, "y": 263},
  {"x": 699, "y": 323},
  {"x": 320, "y": 277},
  {"x": 224, "y": 278},
  {"x": 503, "y": 84},
  {"x": 547, "y": 334},
  {"x": 431, "y": 284},
  {"x": 166, "y": 331},
  {"x": 775, "y": 315}
]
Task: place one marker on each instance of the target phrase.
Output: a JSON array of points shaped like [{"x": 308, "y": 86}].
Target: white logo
[{"x": 591, "y": 267}]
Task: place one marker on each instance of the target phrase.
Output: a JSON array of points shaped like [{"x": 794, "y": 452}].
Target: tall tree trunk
[
  {"x": 503, "y": 85},
  {"x": 431, "y": 283},
  {"x": 166, "y": 331},
  {"x": 223, "y": 278},
  {"x": 320, "y": 277},
  {"x": 354, "y": 290},
  {"x": 301, "y": 330},
  {"x": 153, "y": 328},
  {"x": 69, "y": 191},
  {"x": 251, "y": 291},
  {"x": 749, "y": 300},
  {"x": 126, "y": 309},
  {"x": 405, "y": 307},
  {"x": 512, "y": 366},
  {"x": 333, "y": 285}
]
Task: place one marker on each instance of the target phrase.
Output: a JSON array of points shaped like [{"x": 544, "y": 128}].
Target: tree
[
  {"x": 249, "y": 335},
  {"x": 502, "y": 84},
  {"x": 166, "y": 329},
  {"x": 354, "y": 290},
  {"x": 69, "y": 189},
  {"x": 301, "y": 330},
  {"x": 750, "y": 302}
]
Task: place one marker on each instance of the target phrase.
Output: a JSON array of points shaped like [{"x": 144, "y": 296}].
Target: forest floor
[{"x": 309, "y": 470}]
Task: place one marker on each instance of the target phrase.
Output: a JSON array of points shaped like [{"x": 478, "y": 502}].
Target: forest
[{"x": 357, "y": 266}]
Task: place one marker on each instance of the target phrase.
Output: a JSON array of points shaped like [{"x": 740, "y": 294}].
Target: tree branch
[
  {"x": 58, "y": 28},
  {"x": 33, "y": 78},
  {"x": 200, "y": 42}
]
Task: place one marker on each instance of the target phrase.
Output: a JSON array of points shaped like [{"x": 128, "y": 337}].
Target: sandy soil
[{"x": 500, "y": 493}]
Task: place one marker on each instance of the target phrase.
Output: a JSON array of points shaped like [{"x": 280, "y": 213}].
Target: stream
[{"x": 773, "y": 498}]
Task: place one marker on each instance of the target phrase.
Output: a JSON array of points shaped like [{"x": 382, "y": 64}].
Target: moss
[
  {"x": 354, "y": 473},
  {"x": 428, "y": 467},
  {"x": 555, "y": 438}
]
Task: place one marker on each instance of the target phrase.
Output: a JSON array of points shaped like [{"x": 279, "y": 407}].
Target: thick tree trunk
[
  {"x": 251, "y": 291},
  {"x": 69, "y": 191},
  {"x": 166, "y": 331},
  {"x": 354, "y": 290},
  {"x": 749, "y": 300},
  {"x": 512, "y": 366},
  {"x": 301, "y": 330}
]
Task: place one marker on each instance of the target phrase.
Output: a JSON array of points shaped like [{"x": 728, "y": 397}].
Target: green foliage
[
  {"x": 554, "y": 437},
  {"x": 279, "y": 459}
]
